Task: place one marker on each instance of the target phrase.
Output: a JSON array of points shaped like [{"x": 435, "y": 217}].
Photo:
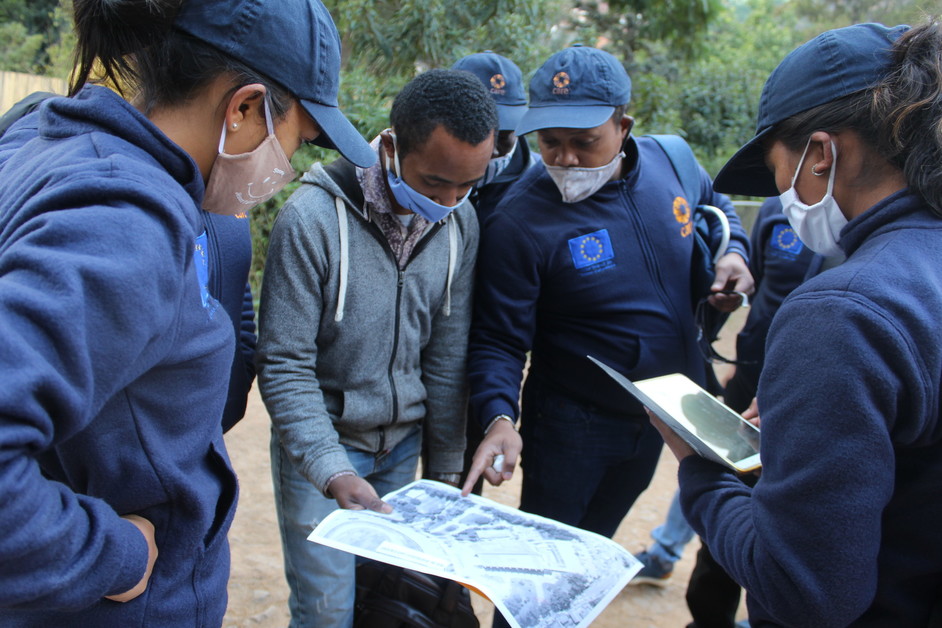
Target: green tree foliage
[
  {"x": 401, "y": 37},
  {"x": 711, "y": 98},
  {"x": 61, "y": 41},
  {"x": 18, "y": 49},
  {"x": 629, "y": 26},
  {"x": 843, "y": 12},
  {"x": 26, "y": 30}
]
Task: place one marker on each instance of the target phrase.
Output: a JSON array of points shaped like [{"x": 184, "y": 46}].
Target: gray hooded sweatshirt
[{"x": 351, "y": 350}]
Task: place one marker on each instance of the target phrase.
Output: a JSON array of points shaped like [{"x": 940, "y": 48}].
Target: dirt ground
[{"x": 258, "y": 593}]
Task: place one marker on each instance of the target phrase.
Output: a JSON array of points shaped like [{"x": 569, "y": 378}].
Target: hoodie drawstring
[
  {"x": 344, "y": 256},
  {"x": 452, "y": 260},
  {"x": 345, "y": 259}
]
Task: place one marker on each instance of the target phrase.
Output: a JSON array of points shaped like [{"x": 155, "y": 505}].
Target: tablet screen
[
  {"x": 703, "y": 415},
  {"x": 714, "y": 430}
]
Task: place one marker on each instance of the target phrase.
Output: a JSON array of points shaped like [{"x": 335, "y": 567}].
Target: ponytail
[
  {"x": 131, "y": 45},
  {"x": 109, "y": 32},
  {"x": 907, "y": 109}
]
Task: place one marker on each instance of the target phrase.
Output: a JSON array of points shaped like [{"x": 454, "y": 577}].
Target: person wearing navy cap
[
  {"x": 512, "y": 157},
  {"x": 116, "y": 486},
  {"x": 588, "y": 254},
  {"x": 841, "y": 528}
]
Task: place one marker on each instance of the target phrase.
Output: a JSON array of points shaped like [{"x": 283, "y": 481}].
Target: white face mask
[
  {"x": 576, "y": 184},
  {"x": 496, "y": 166},
  {"x": 237, "y": 183},
  {"x": 819, "y": 225}
]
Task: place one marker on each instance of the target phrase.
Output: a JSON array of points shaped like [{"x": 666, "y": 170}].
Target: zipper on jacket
[
  {"x": 650, "y": 258},
  {"x": 400, "y": 283}
]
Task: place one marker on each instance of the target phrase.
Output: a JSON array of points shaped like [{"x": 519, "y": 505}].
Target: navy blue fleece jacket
[
  {"x": 115, "y": 362},
  {"x": 608, "y": 276},
  {"x": 779, "y": 263},
  {"x": 843, "y": 526},
  {"x": 229, "y": 256}
]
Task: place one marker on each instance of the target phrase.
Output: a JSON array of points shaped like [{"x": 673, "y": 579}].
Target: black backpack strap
[{"x": 21, "y": 108}]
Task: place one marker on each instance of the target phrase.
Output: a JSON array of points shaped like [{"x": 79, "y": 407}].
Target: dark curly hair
[{"x": 454, "y": 99}]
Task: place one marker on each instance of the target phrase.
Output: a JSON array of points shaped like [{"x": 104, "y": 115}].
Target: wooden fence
[{"x": 16, "y": 85}]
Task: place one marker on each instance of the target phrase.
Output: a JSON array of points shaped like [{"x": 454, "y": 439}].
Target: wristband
[
  {"x": 449, "y": 478},
  {"x": 497, "y": 418},
  {"x": 339, "y": 474}
]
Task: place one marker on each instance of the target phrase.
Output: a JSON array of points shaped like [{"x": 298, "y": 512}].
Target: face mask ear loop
[
  {"x": 513, "y": 149},
  {"x": 800, "y": 162},
  {"x": 396, "y": 156},
  {"x": 268, "y": 122},
  {"x": 833, "y": 168},
  {"x": 225, "y": 128},
  {"x": 222, "y": 138}
]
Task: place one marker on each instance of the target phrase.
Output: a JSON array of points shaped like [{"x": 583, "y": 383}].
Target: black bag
[
  {"x": 392, "y": 597},
  {"x": 21, "y": 108}
]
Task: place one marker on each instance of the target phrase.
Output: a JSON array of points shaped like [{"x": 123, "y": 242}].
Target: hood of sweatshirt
[{"x": 106, "y": 119}]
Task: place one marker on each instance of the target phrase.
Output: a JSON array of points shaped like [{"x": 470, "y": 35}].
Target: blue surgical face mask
[
  {"x": 496, "y": 166},
  {"x": 411, "y": 199}
]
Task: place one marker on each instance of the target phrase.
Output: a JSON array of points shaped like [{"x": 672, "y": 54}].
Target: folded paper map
[{"x": 538, "y": 572}]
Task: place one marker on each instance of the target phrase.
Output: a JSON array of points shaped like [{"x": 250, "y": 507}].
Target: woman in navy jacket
[
  {"x": 842, "y": 526},
  {"x": 116, "y": 491}
]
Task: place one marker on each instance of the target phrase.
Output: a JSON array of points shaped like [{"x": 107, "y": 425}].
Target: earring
[
  {"x": 235, "y": 125},
  {"x": 815, "y": 172}
]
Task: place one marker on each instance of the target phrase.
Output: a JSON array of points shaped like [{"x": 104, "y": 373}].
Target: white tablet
[{"x": 713, "y": 429}]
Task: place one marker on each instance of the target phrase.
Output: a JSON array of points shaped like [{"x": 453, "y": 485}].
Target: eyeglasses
[{"x": 709, "y": 321}]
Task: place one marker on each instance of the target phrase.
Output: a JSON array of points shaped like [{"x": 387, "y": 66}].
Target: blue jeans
[
  {"x": 321, "y": 579},
  {"x": 582, "y": 465},
  {"x": 671, "y": 536}
]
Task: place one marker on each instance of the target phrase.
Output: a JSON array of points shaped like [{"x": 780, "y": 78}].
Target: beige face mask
[{"x": 237, "y": 183}]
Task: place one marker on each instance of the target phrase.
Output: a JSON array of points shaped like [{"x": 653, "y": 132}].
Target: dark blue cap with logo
[
  {"x": 503, "y": 80},
  {"x": 577, "y": 88},
  {"x": 293, "y": 42},
  {"x": 834, "y": 64}
]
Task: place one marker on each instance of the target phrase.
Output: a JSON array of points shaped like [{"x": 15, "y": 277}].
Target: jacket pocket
[{"x": 218, "y": 461}]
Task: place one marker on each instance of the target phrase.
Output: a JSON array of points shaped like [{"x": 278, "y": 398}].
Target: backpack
[
  {"x": 388, "y": 596},
  {"x": 708, "y": 221},
  {"x": 710, "y": 224}
]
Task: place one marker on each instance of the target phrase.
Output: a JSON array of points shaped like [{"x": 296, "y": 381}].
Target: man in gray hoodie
[{"x": 363, "y": 326}]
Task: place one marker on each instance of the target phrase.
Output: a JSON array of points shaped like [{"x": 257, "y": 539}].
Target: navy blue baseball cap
[
  {"x": 577, "y": 88},
  {"x": 293, "y": 42},
  {"x": 503, "y": 80},
  {"x": 834, "y": 64}
]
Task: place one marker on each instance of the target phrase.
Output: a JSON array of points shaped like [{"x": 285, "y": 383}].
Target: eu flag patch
[
  {"x": 591, "y": 249},
  {"x": 785, "y": 239}
]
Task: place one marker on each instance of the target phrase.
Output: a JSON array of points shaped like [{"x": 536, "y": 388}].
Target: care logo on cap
[
  {"x": 498, "y": 83},
  {"x": 561, "y": 83},
  {"x": 682, "y": 215}
]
